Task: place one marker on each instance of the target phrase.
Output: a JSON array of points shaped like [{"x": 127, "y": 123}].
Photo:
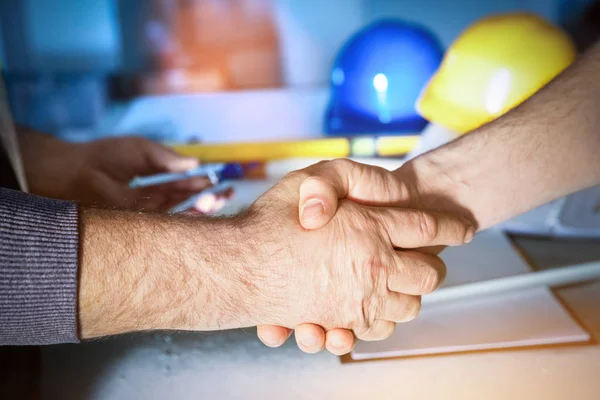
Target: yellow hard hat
[{"x": 493, "y": 66}]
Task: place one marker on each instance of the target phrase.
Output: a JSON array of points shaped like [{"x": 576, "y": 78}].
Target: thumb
[
  {"x": 339, "y": 179},
  {"x": 318, "y": 203},
  {"x": 166, "y": 159}
]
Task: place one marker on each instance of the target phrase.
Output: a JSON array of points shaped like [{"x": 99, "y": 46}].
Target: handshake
[
  {"x": 336, "y": 251},
  {"x": 342, "y": 250}
]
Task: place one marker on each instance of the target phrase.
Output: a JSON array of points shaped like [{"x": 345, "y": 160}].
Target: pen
[{"x": 215, "y": 172}]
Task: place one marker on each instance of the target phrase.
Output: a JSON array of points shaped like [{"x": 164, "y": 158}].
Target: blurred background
[{"x": 206, "y": 70}]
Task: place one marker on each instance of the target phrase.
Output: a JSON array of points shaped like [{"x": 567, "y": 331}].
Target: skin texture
[
  {"x": 263, "y": 267},
  {"x": 546, "y": 148},
  {"x": 98, "y": 173}
]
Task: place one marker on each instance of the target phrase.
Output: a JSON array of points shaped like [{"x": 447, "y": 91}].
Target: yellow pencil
[{"x": 382, "y": 146}]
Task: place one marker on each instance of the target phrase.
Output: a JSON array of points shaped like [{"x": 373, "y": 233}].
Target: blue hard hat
[{"x": 377, "y": 77}]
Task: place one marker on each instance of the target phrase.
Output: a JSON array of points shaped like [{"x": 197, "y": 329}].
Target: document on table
[{"x": 503, "y": 320}]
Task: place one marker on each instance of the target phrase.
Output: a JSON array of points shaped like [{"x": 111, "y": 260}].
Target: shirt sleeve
[{"x": 39, "y": 244}]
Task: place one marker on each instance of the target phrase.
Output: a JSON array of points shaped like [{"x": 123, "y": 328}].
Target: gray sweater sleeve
[{"x": 39, "y": 244}]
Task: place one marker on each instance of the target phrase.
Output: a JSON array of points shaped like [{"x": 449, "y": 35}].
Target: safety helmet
[
  {"x": 377, "y": 78},
  {"x": 493, "y": 66}
]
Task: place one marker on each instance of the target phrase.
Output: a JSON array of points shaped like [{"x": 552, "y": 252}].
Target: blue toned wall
[
  {"x": 84, "y": 34},
  {"x": 73, "y": 34},
  {"x": 448, "y": 18},
  {"x": 61, "y": 35}
]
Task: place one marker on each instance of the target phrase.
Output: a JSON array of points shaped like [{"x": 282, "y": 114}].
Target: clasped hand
[{"x": 342, "y": 262}]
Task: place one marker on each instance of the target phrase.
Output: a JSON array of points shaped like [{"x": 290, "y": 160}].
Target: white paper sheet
[{"x": 515, "y": 319}]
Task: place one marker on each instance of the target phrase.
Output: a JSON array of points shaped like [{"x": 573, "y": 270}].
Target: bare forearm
[
  {"x": 143, "y": 272},
  {"x": 546, "y": 148}
]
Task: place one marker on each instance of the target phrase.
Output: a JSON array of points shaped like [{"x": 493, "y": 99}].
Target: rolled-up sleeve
[{"x": 39, "y": 243}]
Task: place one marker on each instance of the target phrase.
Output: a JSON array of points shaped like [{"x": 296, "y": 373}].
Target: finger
[
  {"x": 318, "y": 203},
  {"x": 380, "y": 330},
  {"x": 310, "y": 338},
  {"x": 166, "y": 159},
  {"x": 206, "y": 203},
  {"x": 400, "y": 307},
  {"x": 411, "y": 229},
  {"x": 273, "y": 336},
  {"x": 193, "y": 184},
  {"x": 339, "y": 179},
  {"x": 435, "y": 250},
  {"x": 339, "y": 341},
  {"x": 113, "y": 194},
  {"x": 416, "y": 273}
]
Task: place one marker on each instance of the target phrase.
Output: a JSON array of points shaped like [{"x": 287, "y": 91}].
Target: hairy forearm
[
  {"x": 545, "y": 148},
  {"x": 145, "y": 271}
]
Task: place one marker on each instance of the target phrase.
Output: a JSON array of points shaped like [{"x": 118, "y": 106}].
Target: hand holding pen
[{"x": 208, "y": 200}]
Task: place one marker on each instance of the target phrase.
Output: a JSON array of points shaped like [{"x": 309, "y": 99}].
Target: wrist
[
  {"x": 225, "y": 267},
  {"x": 265, "y": 268},
  {"x": 438, "y": 182}
]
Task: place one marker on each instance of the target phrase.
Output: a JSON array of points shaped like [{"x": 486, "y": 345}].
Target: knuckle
[
  {"x": 380, "y": 330},
  {"x": 432, "y": 279},
  {"x": 342, "y": 163},
  {"x": 299, "y": 175},
  {"x": 371, "y": 309},
  {"x": 352, "y": 170},
  {"x": 373, "y": 295},
  {"x": 387, "y": 331},
  {"x": 290, "y": 183},
  {"x": 315, "y": 169},
  {"x": 427, "y": 225},
  {"x": 429, "y": 283},
  {"x": 317, "y": 165},
  {"x": 412, "y": 307}
]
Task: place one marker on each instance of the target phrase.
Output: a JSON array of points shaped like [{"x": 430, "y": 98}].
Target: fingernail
[
  {"x": 270, "y": 341},
  {"x": 309, "y": 341},
  {"x": 470, "y": 234},
  {"x": 312, "y": 209},
  {"x": 183, "y": 164},
  {"x": 337, "y": 342}
]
